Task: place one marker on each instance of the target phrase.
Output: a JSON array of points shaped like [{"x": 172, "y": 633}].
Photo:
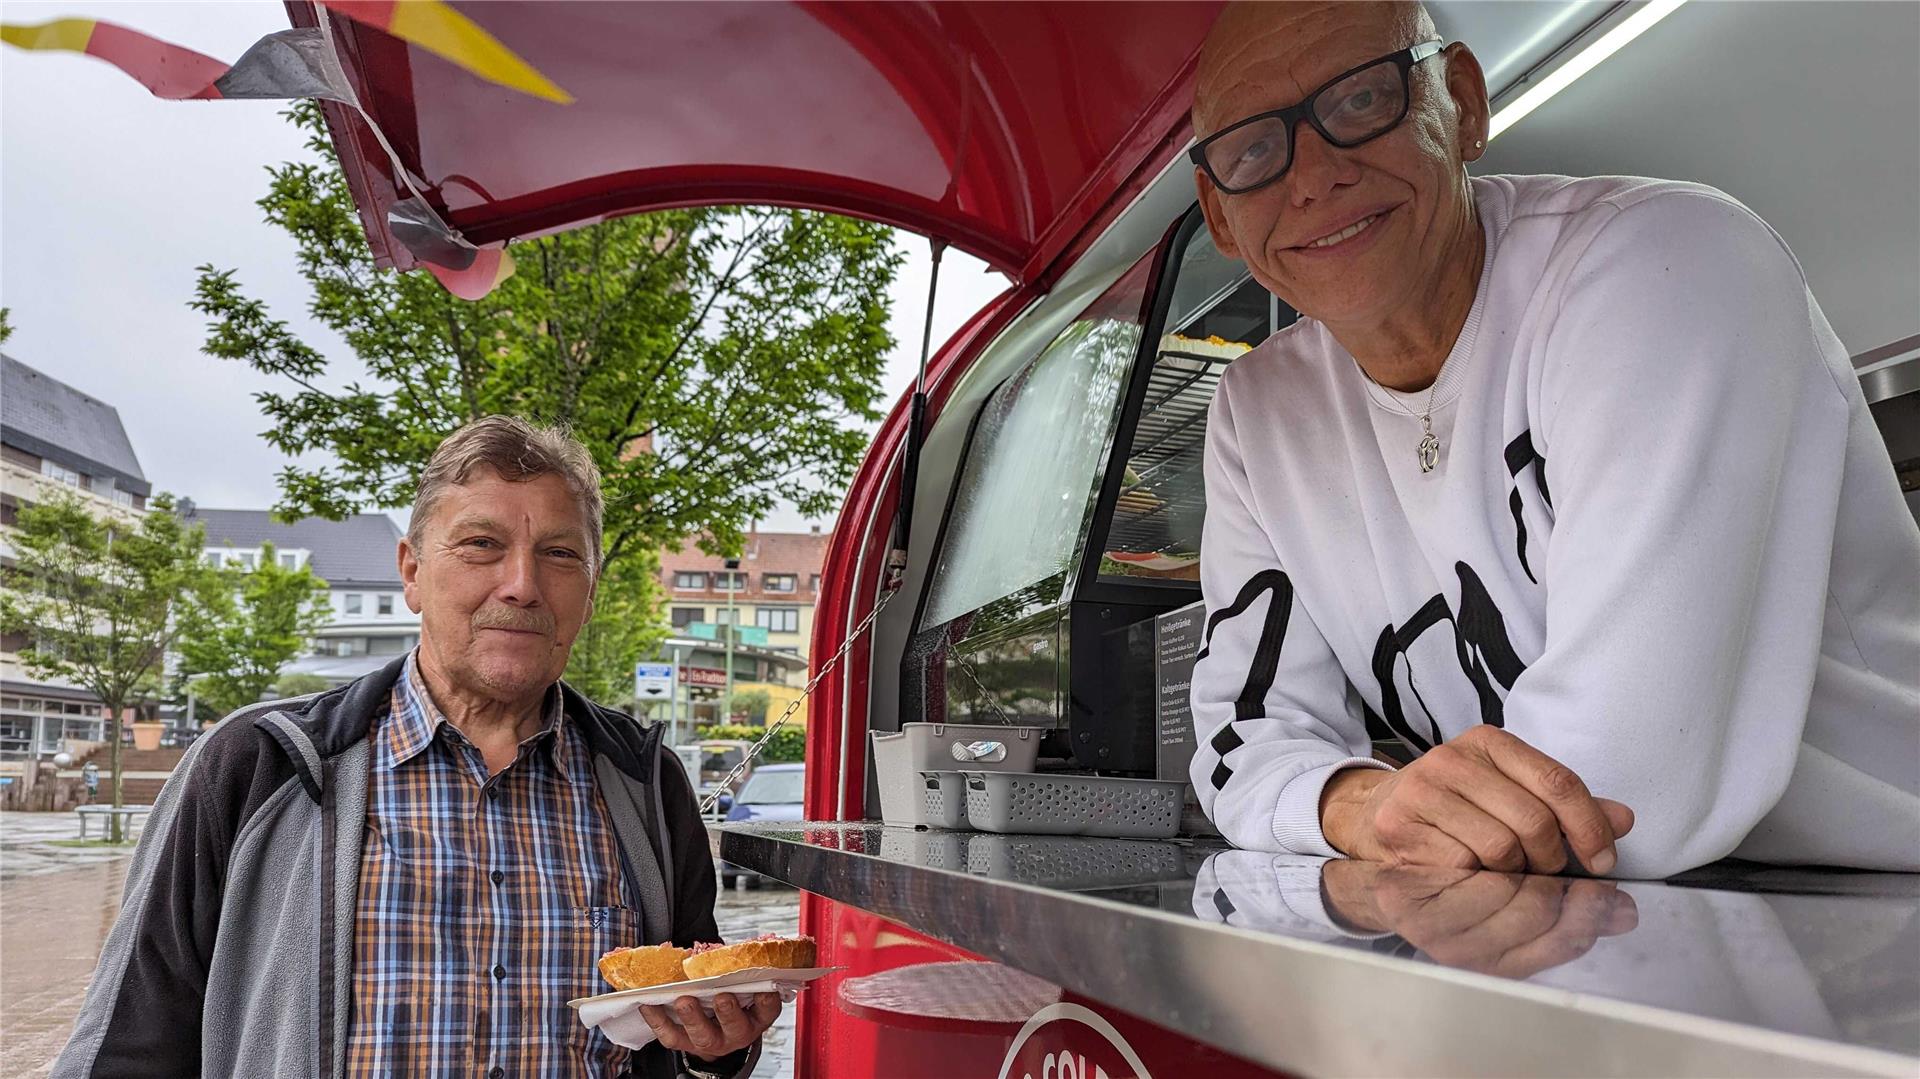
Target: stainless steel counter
[{"x": 1340, "y": 968}]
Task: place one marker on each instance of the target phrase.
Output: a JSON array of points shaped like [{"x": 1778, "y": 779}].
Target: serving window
[
  {"x": 1216, "y": 312},
  {"x": 1056, "y": 551}
]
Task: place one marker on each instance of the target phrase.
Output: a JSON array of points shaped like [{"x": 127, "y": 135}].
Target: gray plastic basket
[
  {"x": 1073, "y": 862},
  {"x": 900, "y": 756},
  {"x": 1040, "y": 803},
  {"x": 945, "y": 798}
]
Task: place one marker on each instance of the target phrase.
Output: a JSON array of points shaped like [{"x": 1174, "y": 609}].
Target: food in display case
[{"x": 1157, "y": 514}]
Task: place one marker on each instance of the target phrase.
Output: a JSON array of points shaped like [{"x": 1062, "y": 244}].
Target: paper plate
[
  {"x": 706, "y": 988},
  {"x": 617, "y": 1014}
]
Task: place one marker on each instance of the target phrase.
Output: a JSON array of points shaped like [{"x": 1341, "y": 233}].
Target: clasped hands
[{"x": 1484, "y": 800}]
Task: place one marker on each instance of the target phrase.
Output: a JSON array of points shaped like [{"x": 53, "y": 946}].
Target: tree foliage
[
  {"x": 298, "y": 685},
  {"x": 752, "y": 703},
  {"x": 716, "y": 361},
  {"x": 625, "y": 627},
  {"x": 101, "y": 599},
  {"x": 245, "y": 628}
]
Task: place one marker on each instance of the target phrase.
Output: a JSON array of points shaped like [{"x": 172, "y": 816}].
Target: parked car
[
  {"x": 773, "y": 794},
  {"x": 719, "y": 757}
]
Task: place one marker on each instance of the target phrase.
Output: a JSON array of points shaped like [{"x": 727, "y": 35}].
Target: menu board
[{"x": 1177, "y": 637}]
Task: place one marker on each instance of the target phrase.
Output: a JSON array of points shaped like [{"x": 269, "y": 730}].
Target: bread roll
[
  {"x": 637, "y": 968},
  {"x": 710, "y": 960}
]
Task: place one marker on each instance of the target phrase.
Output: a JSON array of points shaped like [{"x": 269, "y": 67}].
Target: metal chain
[{"x": 713, "y": 796}]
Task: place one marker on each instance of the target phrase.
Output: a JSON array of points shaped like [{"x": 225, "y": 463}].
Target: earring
[{"x": 1478, "y": 144}]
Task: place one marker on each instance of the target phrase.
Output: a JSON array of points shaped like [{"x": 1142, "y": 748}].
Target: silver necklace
[{"x": 1429, "y": 442}]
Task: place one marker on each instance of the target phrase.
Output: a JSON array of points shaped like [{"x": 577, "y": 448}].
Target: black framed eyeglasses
[{"x": 1351, "y": 108}]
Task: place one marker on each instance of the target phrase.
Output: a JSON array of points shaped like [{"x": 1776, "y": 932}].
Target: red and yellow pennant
[
  {"x": 166, "y": 70},
  {"x": 491, "y": 265},
  {"x": 440, "y": 29},
  {"x": 276, "y": 67}
]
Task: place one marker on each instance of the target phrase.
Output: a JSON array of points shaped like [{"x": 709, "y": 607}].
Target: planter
[{"x": 147, "y": 735}]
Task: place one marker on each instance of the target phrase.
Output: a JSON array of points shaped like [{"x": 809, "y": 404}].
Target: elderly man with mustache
[
  {"x": 412, "y": 874},
  {"x": 1564, "y": 482}
]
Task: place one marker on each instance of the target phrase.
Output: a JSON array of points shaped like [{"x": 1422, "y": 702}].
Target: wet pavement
[
  {"x": 58, "y": 903},
  {"x": 748, "y": 913}
]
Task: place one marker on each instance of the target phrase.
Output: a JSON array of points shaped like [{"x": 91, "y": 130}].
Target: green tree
[
  {"x": 716, "y": 361},
  {"x": 245, "y": 628},
  {"x": 752, "y": 703},
  {"x": 6, "y": 324},
  {"x": 299, "y": 685},
  {"x": 625, "y": 628},
  {"x": 100, "y": 599}
]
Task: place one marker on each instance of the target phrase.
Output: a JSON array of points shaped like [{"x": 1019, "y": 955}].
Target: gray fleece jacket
[{"x": 233, "y": 951}]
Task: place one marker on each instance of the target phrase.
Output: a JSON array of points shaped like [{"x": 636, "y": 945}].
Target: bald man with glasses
[{"x": 1566, "y": 484}]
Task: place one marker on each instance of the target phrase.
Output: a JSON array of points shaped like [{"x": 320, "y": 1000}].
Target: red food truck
[{"x": 1014, "y": 566}]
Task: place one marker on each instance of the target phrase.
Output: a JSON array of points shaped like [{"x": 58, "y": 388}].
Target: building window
[
  {"x": 690, "y": 582},
  {"x": 352, "y": 604},
  {"x": 122, "y": 498},
  {"x": 685, "y": 616},
  {"x": 213, "y": 559},
  {"x": 723, "y": 616},
  {"x": 60, "y": 473},
  {"x": 780, "y": 582},
  {"x": 384, "y": 605},
  {"x": 813, "y": 583},
  {"x": 721, "y": 582},
  {"x": 778, "y": 619},
  {"x": 289, "y": 561},
  {"x": 245, "y": 559}
]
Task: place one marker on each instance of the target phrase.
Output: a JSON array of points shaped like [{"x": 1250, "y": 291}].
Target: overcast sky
[{"x": 109, "y": 198}]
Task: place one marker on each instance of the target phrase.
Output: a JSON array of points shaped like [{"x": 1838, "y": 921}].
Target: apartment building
[
  {"x": 774, "y": 588},
  {"x": 54, "y": 437},
  {"x": 357, "y": 557}
]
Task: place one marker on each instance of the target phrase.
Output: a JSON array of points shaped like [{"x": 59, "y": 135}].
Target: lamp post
[{"x": 726, "y": 701}]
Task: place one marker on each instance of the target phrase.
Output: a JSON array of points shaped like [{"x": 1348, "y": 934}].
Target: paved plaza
[{"x": 57, "y": 904}]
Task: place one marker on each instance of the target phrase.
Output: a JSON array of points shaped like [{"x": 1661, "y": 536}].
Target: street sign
[
  {"x": 653, "y": 681},
  {"x": 710, "y": 677}
]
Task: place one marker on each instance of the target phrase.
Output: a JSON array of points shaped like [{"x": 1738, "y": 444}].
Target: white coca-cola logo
[{"x": 1068, "y": 1041}]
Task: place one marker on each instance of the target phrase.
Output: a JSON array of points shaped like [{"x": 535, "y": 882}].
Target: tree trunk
[{"x": 114, "y": 820}]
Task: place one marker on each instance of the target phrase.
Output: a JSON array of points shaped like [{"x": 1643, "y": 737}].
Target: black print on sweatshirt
[
  {"x": 1252, "y": 702},
  {"x": 1520, "y": 453},
  {"x": 1479, "y": 641}
]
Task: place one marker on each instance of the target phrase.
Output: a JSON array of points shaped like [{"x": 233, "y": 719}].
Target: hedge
[{"x": 789, "y": 744}]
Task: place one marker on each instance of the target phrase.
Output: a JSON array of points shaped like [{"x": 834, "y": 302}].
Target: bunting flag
[
  {"x": 490, "y": 266},
  {"x": 300, "y": 63},
  {"x": 438, "y": 28},
  {"x": 166, "y": 70}
]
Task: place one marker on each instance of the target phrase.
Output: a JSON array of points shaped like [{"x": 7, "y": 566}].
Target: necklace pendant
[{"x": 1429, "y": 453}]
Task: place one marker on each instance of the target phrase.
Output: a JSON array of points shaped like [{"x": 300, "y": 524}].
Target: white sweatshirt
[{"x": 1664, "y": 545}]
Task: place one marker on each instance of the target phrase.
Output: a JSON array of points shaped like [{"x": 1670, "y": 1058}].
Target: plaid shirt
[{"x": 484, "y": 903}]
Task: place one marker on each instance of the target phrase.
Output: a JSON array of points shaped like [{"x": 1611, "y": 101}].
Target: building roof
[
  {"x": 48, "y": 418},
  {"x": 356, "y": 552},
  {"x": 798, "y": 553}
]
